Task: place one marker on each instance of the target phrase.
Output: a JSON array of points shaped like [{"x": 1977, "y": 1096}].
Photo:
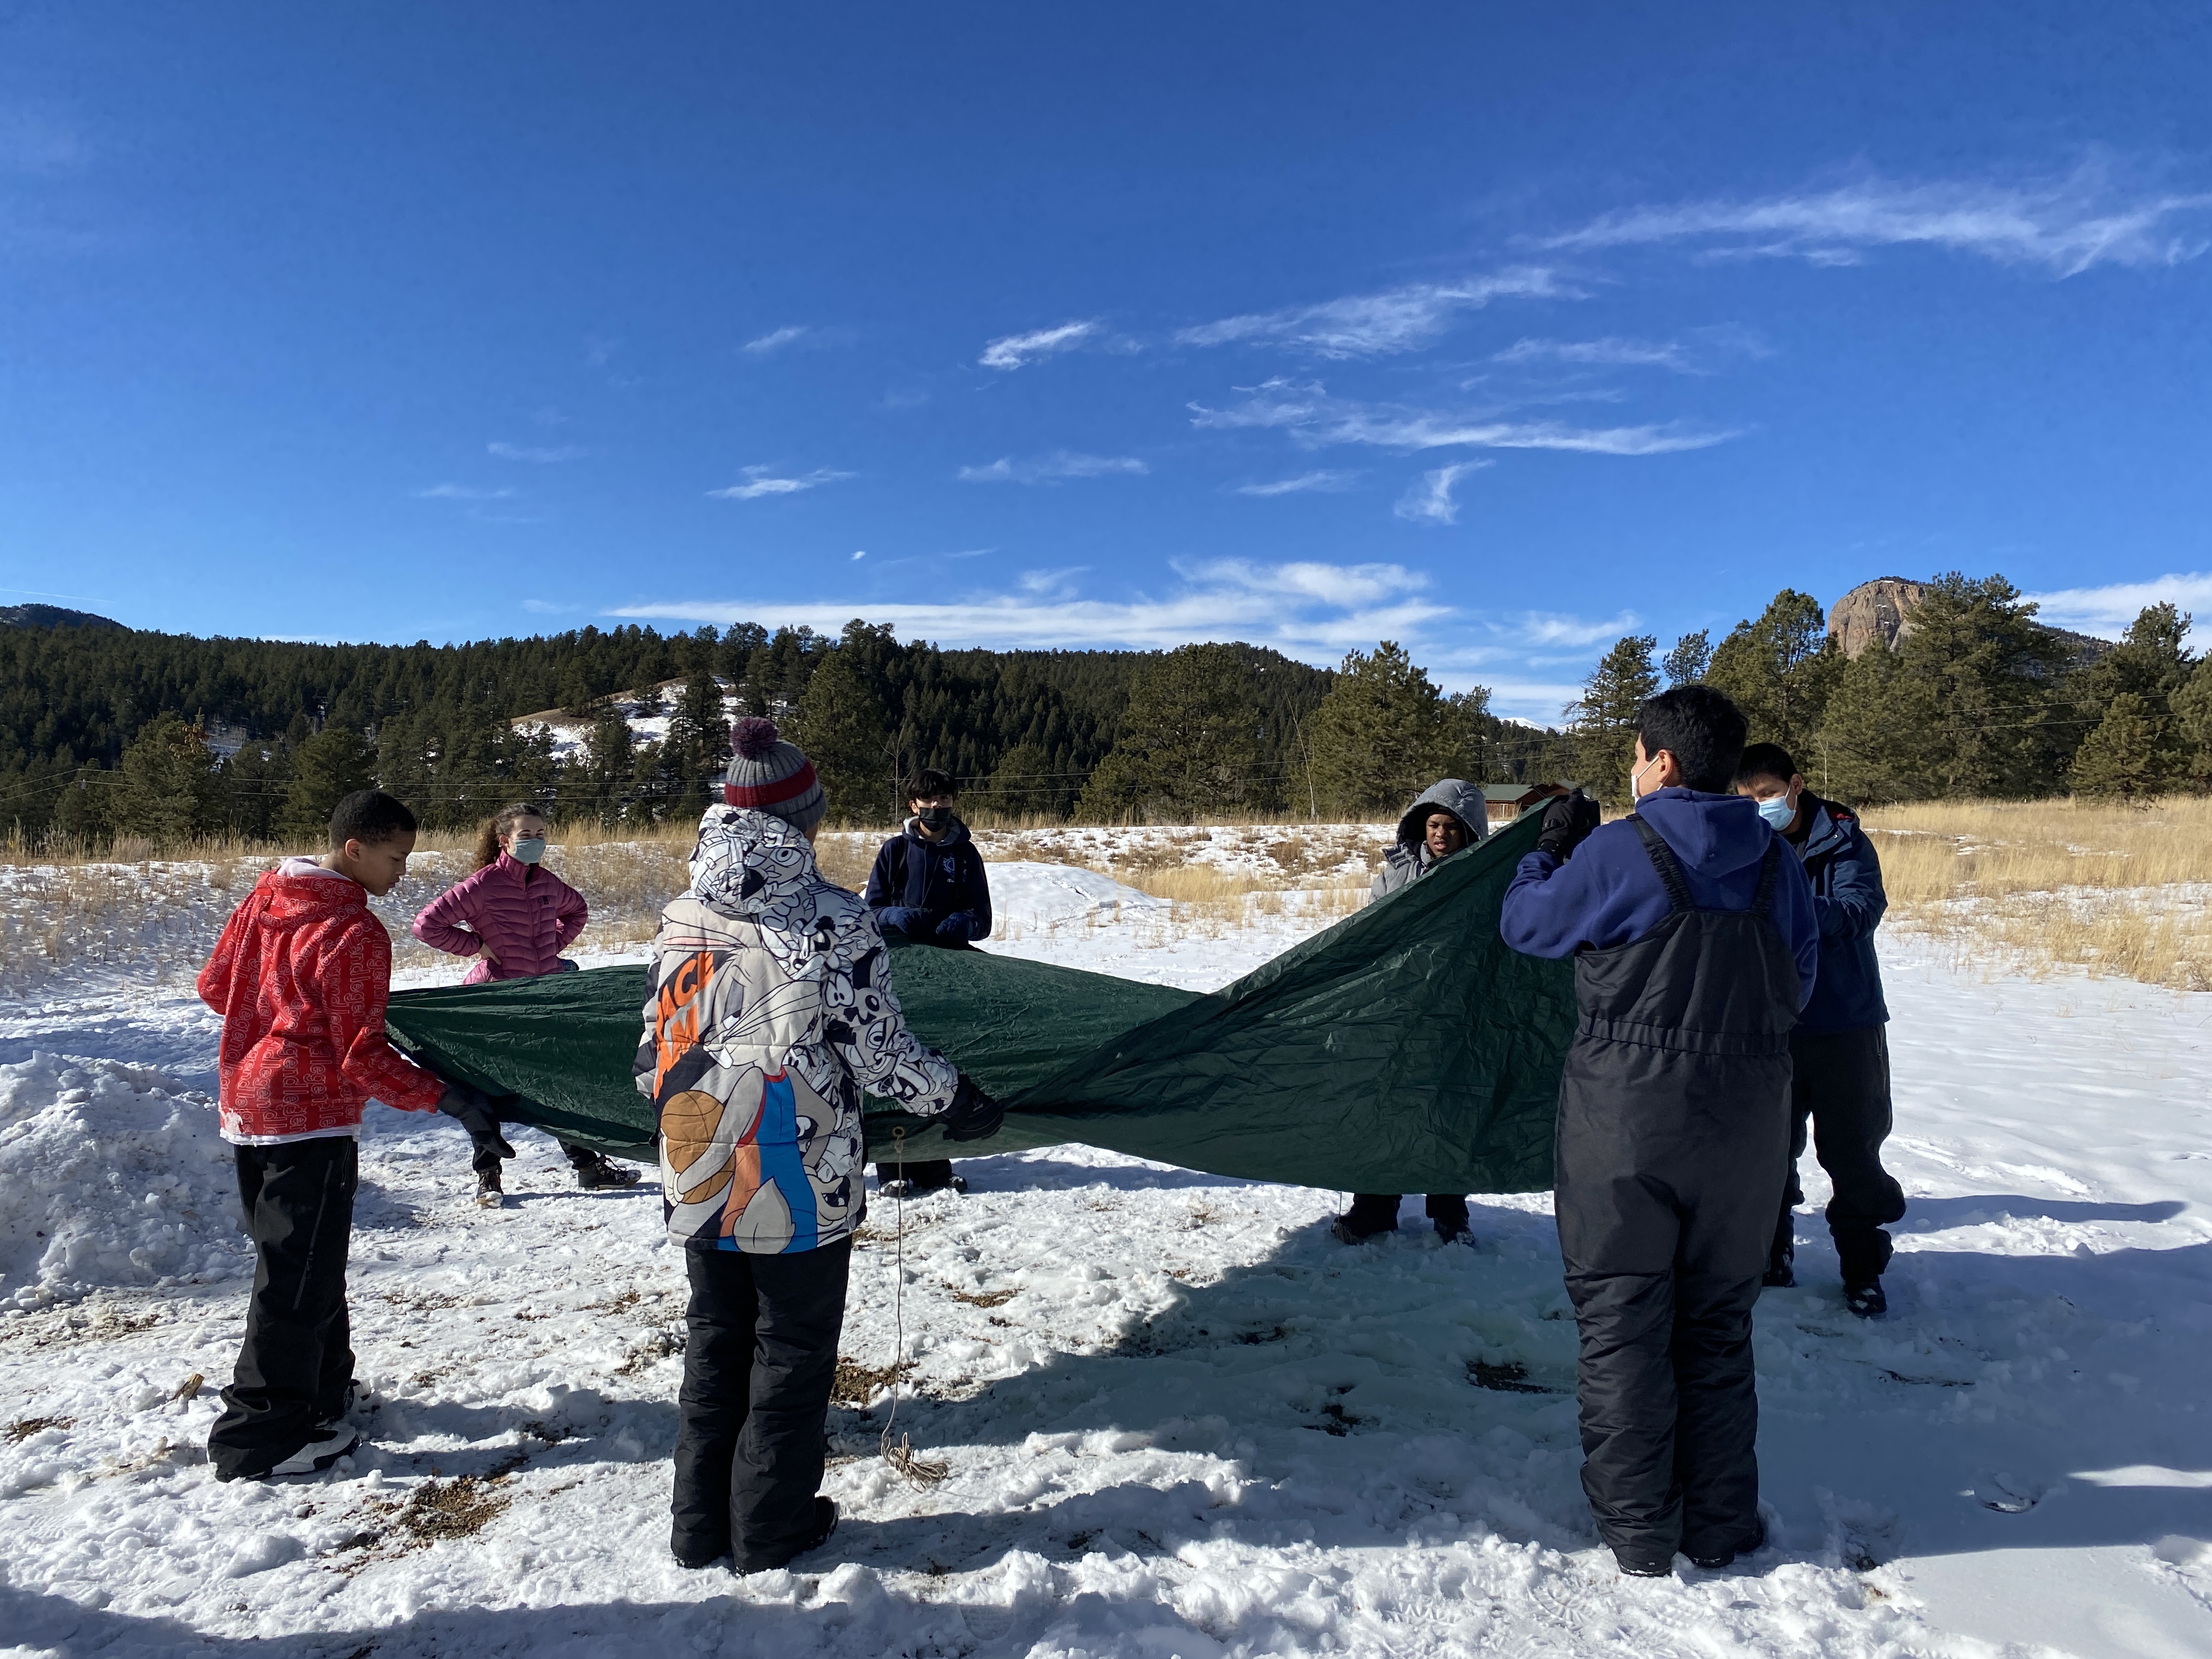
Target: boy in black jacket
[
  {"x": 1840, "y": 1051},
  {"x": 928, "y": 883}
]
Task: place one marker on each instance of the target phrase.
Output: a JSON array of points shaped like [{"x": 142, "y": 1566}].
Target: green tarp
[{"x": 1404, "y": 1050}]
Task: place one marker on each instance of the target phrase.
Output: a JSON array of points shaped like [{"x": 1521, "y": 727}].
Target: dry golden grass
[{"x": 2121, "y": 891}]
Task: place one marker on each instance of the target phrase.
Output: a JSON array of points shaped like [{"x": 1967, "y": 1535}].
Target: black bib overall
[{"x": 1673, "y": 1130}]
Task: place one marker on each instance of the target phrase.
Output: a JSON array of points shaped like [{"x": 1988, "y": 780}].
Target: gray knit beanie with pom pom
[{"x": 768, "y": 775}]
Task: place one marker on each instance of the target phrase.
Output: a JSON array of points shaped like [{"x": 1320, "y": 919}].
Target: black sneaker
[
  {"x": 603, "y": 1172},
  {"x": 490, "y": 1193},
  {"x": 1779, "y": 1278},
  {"x": 1455, "y": 1232},
  {"x": 1865, "y": 1298},
  {"x": 1642, "y": 1569}
]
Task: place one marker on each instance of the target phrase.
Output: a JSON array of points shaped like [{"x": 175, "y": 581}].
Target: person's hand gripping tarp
[
  {"x": 472, "y": 1107},
  {"x": 1568, "y": 822}
]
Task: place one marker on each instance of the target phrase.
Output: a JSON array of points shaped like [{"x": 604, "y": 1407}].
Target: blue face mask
[
  {"x": 527, "y": 849},
  {"x": 1778, "y": 812}
]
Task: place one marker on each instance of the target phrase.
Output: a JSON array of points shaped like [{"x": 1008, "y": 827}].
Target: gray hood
[{"x": 1463, "y": 800}]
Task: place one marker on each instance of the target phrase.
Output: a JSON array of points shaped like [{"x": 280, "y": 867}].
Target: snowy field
[{"x": 1177, "y": 1418}]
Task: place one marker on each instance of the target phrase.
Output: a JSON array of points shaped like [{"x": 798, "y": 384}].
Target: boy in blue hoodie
[
  {"x": 1840, "y": 1048},
  {"x": 1695, "y": 946}
]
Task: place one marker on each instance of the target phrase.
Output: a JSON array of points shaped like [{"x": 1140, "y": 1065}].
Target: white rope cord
[{"x": 923, "y": 1472}]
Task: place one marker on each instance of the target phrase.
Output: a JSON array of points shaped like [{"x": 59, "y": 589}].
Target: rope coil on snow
[{"x": 922, "y": 1471}]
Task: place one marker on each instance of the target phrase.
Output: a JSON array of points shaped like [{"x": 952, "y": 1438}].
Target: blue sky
[{"x": 1497, "y": 331}]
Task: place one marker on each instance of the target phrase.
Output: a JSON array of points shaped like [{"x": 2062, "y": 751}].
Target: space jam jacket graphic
[{"x": 769, "y": 1011}]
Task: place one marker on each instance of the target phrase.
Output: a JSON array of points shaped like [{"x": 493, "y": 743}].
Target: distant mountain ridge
[{"x": 52, "y": 616}]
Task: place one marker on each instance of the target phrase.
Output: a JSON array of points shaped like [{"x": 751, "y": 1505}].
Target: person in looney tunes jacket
[{"x": 769, "y": 1011}]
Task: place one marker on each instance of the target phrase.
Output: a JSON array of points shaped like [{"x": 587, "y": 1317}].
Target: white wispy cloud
[
  {"x": 1325, "y": 479},
  {"x": 1379, "y": 325},
  {"x": 761, "y": 480},
  {"x": 2065, "y": 225},
  {"x": 453, "y": 492},
  {"x": 776, "y": 340},
  {"x": 1054, "y": 468},
  {"x": 2108, "y": 610},
  {"x": 1608, "y": 353},
  {"x": 1313, "y": 610},
  {"x": 1013, "y": 350},
  {"x": 1428, "y": 500},
  {"x": 1312, "y": 418},
  {"x": 1543, "y": 627},
  {"x": 543, "y": 455}
]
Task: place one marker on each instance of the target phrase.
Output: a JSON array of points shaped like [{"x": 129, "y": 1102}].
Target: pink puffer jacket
[{"x": 527, "y": 916}]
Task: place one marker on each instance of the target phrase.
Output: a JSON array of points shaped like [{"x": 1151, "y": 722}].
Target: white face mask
[
  {"x": 527, "y": 849},
  {"x": 1635, "y": 789}
]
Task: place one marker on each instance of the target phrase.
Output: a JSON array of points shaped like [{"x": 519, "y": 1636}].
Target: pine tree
[
  {"x": 841, "y": 725},
  {"x": 1687, "y": 663},
  {"x": 1025, "y": 784},
  {"x": 1878, "y": 733},
  {"x": 2192, "y": 720},
  {"x": 698, "y": 746},
  {"x": 255, "y": 781},
  {"x": 1604, "y": 718},
  {"x": 1385, "y": 732},
  {"x": 1780, "y": 670},
  {"x": 2128, "y": 754},
  {"x": 1990, "y": 680},
  {"x": 326, "y": 770},
  {"x": 1189, "y": 744},
  {"x": 167, "y": 789}
]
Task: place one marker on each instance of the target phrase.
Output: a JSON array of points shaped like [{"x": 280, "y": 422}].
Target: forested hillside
[{"x": 106, "y": 731}]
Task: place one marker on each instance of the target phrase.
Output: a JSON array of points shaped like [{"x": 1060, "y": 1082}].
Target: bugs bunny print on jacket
[{"x": 770, "y": 1011}]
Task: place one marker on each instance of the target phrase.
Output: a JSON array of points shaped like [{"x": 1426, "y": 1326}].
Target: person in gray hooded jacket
[{"x": 1448, "y": 816}]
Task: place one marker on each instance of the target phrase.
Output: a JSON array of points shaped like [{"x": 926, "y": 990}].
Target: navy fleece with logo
[{"x": 932, "y": 890}]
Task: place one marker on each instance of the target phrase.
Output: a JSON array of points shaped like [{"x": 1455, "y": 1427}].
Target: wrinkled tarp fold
[{"x": 1404, "y": 1050}]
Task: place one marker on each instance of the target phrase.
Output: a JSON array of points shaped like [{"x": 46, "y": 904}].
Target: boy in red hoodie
[{"x": 300, "y": 977}]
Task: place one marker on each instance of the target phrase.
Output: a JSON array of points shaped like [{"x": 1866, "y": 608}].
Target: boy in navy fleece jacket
[{"x": 1695, "y": 946}]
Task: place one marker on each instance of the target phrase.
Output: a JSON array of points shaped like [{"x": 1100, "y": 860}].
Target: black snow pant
[
  {"x": 296, "y": 1364},
  {"x": 1664, "y": 1237},
  {"x": 1841, "y": 1082},
  {"x": 1377, "y": 1212},
  {"x": 753, "y": 1414}
]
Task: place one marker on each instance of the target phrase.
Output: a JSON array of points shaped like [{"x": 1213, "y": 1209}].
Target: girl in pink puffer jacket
[{"x": 515, "y": 917}]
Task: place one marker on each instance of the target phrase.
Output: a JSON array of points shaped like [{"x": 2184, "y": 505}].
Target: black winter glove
[
  {"x": 913, "y": 923},
  {"x": 1568, "y": 822},
  {"x": 956, "y": 929},
  {"x": 973, "y": 1114},
  {"x": 472, "y": 1107}
]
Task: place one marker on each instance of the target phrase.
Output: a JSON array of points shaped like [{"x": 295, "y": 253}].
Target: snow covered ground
[{"x": 1177, "y": 1418}]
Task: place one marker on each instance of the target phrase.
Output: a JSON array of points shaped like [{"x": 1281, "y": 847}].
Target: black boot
[
  {"x": 1371, "y": 1214},
  {"x": 595, "y": 1170}
]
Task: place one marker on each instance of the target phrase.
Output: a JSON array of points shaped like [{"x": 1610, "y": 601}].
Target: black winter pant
[
  {"x": 754, "y": 1410},
  {"x": 296, "y": 1363},
  {"x": 1842, "y": 1084},
  {"x": 1377, "y": 1212},
  {"x": 1664, "y": 1221},
  {"x": 486, "y": 1150}
]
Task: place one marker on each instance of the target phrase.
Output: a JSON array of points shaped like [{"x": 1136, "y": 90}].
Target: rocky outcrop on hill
[
  {"x": 52, "y": 616},
  {"x": 1882, "y": 610},
  {"x": 1878, "y": 610}
]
